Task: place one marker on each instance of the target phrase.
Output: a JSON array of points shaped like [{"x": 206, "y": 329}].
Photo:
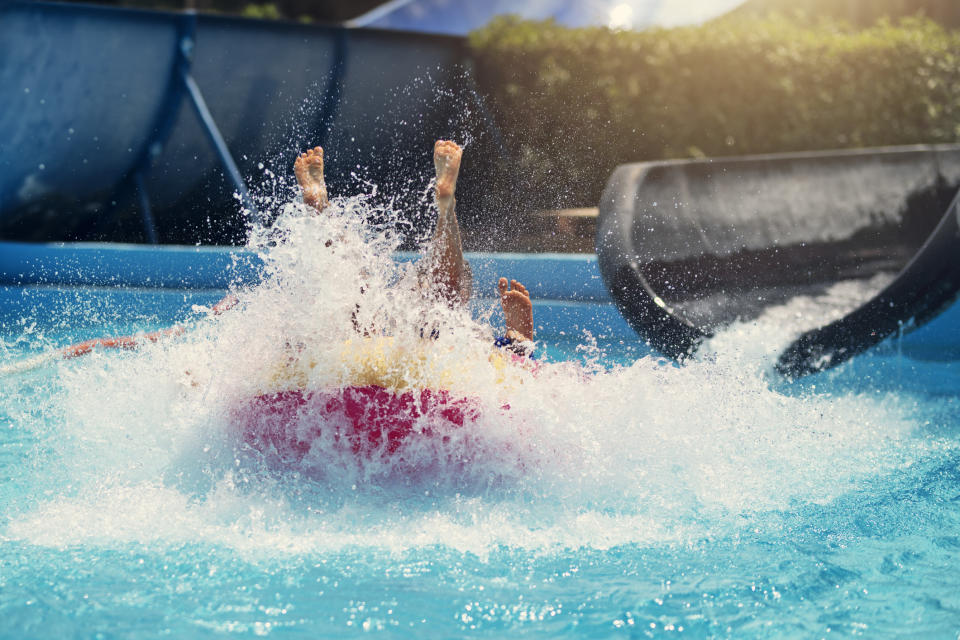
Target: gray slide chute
[
  {"x": 688, "y": 246},
  {"x": 927, "y": 286}
]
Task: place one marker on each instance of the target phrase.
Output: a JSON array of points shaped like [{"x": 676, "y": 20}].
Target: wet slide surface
[{"x": 735, "y": 242}]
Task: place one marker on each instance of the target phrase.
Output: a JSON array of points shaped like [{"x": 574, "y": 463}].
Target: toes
[
  {"x": 446, "y": 148},
  {"x": 516, "y": 295},
  {"x": 512, "y": 286},
  {"x": 311, "y": 154}
]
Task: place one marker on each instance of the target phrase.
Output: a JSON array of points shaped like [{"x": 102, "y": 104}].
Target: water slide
[
  {"x": 688, "y": 246},
  {"x": 151, "y": 126},
  {"x": 108, "y": 111}
]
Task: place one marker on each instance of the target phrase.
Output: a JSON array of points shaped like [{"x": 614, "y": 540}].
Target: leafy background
[{"x": 574, "y": 103}]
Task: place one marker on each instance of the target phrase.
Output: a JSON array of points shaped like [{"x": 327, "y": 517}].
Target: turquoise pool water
[{"x": 622, "y": 496}]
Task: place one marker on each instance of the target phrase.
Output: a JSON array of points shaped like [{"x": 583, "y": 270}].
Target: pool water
[{"x": 620, "y": 495}]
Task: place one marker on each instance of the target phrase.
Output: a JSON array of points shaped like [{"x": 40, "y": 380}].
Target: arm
[{"x": 132, "y": 342}]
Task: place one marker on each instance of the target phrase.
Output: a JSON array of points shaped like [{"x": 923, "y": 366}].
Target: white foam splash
[{"x": 145, "y": 450}]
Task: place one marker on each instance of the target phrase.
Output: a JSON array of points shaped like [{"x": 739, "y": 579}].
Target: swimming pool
[{"x": 644, "y": 499}]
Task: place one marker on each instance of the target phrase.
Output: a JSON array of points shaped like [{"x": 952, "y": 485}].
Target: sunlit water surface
[{"x": 619, "y": 495}]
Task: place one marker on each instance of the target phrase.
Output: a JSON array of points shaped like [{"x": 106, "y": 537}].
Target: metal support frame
[
  {"x": 145, "y": 210},
  {"x": 218, "y": 143},
  {"x": 180, "y": 83}
]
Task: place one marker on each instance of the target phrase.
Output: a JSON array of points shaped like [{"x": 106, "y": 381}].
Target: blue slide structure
[{"x": 108, "y": 111}]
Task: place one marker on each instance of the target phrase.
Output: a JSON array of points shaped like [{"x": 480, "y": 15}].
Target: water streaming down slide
[{"x": 688, "y": 246}]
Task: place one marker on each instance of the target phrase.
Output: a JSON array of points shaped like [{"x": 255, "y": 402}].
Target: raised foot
[
  {"x": 517, "y": 309},
  {"x": 446, "y": 160},
  {"x": 308, "y": 168}
]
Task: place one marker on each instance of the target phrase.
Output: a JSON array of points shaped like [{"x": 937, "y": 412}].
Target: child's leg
[
  {"x": 444, "y": 271},
  {"x": 309, "y": 171}
]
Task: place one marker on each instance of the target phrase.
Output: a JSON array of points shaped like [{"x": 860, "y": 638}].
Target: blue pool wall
[{"x": 44, "y": 283}]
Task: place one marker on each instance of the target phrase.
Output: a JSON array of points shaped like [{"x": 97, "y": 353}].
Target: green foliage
[
  {"x": 267, "y": 11},
  {"x": 858, "y": 12},
  {"x": 574, "y": 103}
]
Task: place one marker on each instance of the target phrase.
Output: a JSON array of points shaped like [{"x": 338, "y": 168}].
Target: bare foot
[
  {"x": 517, "y": 310},
  {"x": 309, "y": 171},
  {"x": 446, "y": 160}
]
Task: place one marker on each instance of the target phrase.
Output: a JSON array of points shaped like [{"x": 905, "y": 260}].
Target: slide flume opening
[{"x": 686, "y": 247}]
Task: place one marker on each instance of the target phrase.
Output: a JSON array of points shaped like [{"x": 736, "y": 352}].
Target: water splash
[{"x": 143, "y": 446}]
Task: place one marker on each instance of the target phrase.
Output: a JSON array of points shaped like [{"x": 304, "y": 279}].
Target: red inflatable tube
[{"x": 368, "y": 419}]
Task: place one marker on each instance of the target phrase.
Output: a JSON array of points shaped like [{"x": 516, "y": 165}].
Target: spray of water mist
[{"x": 143, "y": 446}]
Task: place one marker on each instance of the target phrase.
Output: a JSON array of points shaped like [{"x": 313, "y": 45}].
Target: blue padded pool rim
[
  {"x": 553, "y": 276},
  {"x": 38, "y": 280},
  {"x": 126, "y": 265},
  {"x": 53, "y": 280}
]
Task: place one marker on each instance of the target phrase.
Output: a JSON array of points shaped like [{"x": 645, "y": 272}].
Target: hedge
[
  {"x": 574, "y": 103},
  {"x": 861, "y": 12}
]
